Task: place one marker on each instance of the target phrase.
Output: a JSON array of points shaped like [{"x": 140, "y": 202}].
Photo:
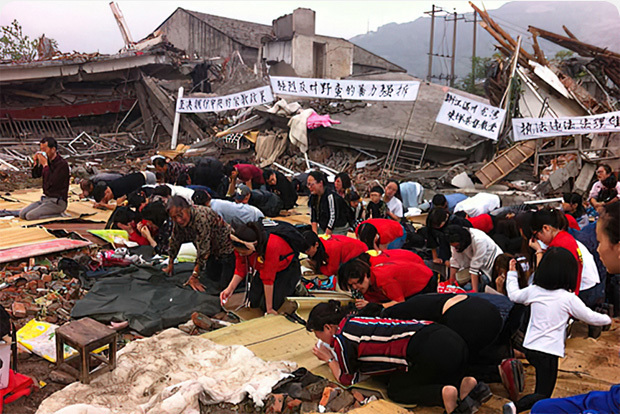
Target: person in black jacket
[
  {"x": 278, "y": 184},
  {"x": 328, "y": 210}
]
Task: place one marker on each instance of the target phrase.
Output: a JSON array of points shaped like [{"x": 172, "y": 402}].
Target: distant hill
[{"x": 407, "y": 44}]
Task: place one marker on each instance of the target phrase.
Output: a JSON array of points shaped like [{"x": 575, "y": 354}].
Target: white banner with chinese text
[
  {"x": 363, "y": 90},
  {"x": 472, "y": 116},
  {"x": 252, "y": 97},
  {"x": 530, "y": 128}
]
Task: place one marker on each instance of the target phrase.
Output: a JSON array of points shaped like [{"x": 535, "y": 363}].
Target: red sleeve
[
  {"x": 276, "y": 248},
  {"x": 572, "y": 222},
  {"x": 241, "y": 267}
]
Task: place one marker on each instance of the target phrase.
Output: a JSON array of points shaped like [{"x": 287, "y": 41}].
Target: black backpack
[{"x": 289, "y": 233}]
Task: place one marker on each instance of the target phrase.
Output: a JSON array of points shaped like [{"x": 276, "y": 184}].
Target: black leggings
[
  {"x": 546, "y": 366},
  {"x": 219, "y": 271},
  {"x": 283, "y": 286},
  {"x": 437, "y": 357}
]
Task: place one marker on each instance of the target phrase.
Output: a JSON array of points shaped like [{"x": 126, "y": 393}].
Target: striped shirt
[{"x": 373, "y": 346}]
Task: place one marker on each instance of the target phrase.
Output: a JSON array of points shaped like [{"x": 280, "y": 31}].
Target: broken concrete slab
[{"x": 562, "y": 175}]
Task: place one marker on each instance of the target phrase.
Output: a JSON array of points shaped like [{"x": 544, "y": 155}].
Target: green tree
[
  {"x": 563, "y": 55},
  {"x": 470, "y": 83},
  {"x": 14, "y": 45}
]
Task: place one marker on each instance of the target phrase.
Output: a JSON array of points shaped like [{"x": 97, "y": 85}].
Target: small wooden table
[{"x": 86, "y": 335}]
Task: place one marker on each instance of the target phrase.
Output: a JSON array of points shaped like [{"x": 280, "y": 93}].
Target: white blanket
[{"x": 168, "y": 374}]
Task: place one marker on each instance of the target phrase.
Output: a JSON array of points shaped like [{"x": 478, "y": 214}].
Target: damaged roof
[
  {"x": 243, "y": 32},
  {"x": 362, "y": 56},
  {"x": 388, "y": 119}
]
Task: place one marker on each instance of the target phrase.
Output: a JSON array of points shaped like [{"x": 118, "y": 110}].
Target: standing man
[
  {"x": 210, "y": 234},
  {"x": 55, "y": 172}
]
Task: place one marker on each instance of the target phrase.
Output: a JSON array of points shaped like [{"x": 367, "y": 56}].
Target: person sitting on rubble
[
  {"x": 392, "y": 199},
  {"x": 609, "y": 192},
  {"x": 473, "y": 255},
  {"x": 228, "y": 210},
  {"x": 327, "y": 253},
  {"x": 422, "y": 362},
  {"x": 55, "y": 172},
  {"x": 328, "y": 211},
  {"x": 602, "y": 172},
  {"x": 572, "y": 205},
  {"x": 156, "y": 226},
  {"x": 247, "y": 174},
  {"x": 275, "y": 260},
  {"x": 170, "y": 170},
  {"x": 342, "y": 184},
  {"x": 120, "y": 188},
  {"x": 277, "y": 183},
  {"x": 386, "y": 278},
  {"x": 268, "y": 203},
  {"x": 376, "y": 208},
  {"x": 87, "y": 185},
  {"x": 200, "y": 225},
  {"x": 380, "y": 234}
]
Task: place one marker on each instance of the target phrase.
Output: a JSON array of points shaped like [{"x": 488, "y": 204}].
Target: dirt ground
[
  {"x": 17, "y": 180},
  {"x": 39, "y": 370}
]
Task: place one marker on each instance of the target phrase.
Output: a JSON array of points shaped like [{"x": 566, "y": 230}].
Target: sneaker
[
  {"x": 513, "y": 377},
  {"x": 509, "y": 408}
]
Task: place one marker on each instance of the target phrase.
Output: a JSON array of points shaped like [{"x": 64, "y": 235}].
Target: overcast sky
[{"x": 89, "y": 26}]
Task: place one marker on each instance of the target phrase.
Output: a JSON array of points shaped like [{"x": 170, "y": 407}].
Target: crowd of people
[{"x": 438, "y": 309}]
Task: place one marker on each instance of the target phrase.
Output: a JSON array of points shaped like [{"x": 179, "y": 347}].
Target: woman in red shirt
[
  {"x": 275, "y": 261},
  {"x": 327, "y": 253},
  {"x": 549, "y": 226},
  {"x": 386, "y": 278},
  {"x": 378, "y": 233}
]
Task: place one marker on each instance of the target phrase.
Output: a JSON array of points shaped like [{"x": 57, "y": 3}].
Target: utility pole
[
  {"x": 473, "y": 52},
  {"x": 430, "y": 51},
  {"x": 453, "y": 58}
]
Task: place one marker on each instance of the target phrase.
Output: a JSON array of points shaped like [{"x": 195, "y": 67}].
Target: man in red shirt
[{"x": 55, "y": 172}]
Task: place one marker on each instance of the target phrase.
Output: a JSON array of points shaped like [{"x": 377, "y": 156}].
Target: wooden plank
[{"x": 505, "y": 162}]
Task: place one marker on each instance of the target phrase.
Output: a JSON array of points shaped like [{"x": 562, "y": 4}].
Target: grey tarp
[{"x": 146, "y": 298}]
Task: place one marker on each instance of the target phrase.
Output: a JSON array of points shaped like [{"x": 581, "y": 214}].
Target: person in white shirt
[
  {"x": 390, "y": 197},
  {"x": 551, "y": 304},
  {"x": 228, "y": 210},
  {"x": 474, "y": 250}
]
